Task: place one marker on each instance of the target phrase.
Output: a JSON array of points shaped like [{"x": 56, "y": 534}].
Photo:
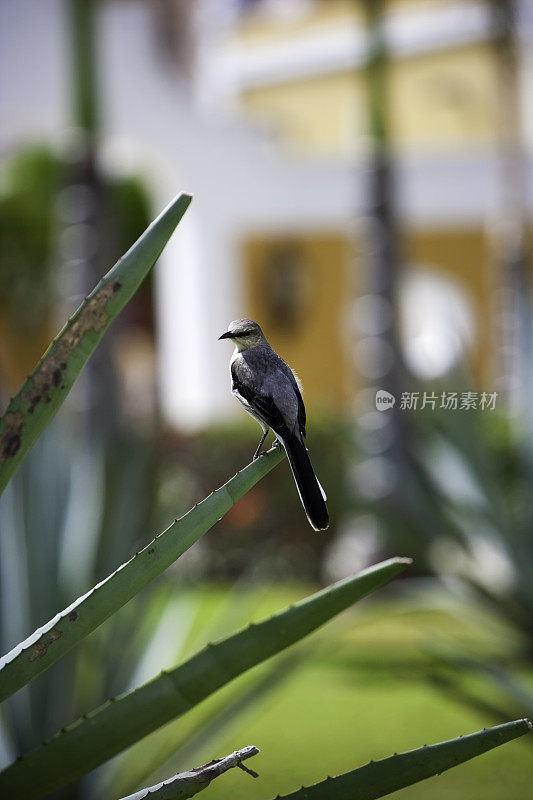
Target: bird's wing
[
  {"x": 262, "y": 404},
  {"x": 296, "y": 385},
  {"x": 301, "y": 409}
]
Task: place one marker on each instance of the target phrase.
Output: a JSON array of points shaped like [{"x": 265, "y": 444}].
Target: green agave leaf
[
  {"x": 187, "y": 784},
  {"x": 63, "y": 631},
  {"x": 119, "y": 723},
  {"x": 46, "y": 388},
  {"x": 380, "y": 778},
  {"x": 165, "y": 753}
]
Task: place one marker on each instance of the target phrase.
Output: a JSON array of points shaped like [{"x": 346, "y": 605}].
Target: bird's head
[{"x": 244, "y": 333}]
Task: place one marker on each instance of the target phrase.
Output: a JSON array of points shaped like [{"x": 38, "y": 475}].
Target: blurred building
[
  {"x": 296, "y": 71},
  {"x": 259, "y": 108}
]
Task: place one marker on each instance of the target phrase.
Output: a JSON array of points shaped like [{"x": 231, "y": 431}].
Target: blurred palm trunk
[
  {"x": 382, "y": 250},
  {"x": 87, "y": 234},
  {"x": 511, "y": 230}
]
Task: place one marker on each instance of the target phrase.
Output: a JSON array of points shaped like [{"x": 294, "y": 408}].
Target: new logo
[{"x": 384, "y": 400}]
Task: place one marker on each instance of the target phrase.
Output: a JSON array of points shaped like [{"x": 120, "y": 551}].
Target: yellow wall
[
  {"x": 323, "y": 115},
  {"x": 443, "y": 101},
  {"x": 440, "y": 101},
  {"x": 313, "y": 336},
  {"x": 309, "y": 335},
  {"x": 464, "y": 256}
]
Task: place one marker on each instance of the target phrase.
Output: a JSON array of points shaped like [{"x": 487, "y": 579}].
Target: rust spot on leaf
[
  {"x": 40, "y": 648},
  {"x": 73, "y": 616},
  {"x": 93, "y": 316},
  {"x": 11, "y": 446},
  {"x": 11, "y": 435},
  {"x": 151, "y": 550},
  {"x": 35, "y": 400}
]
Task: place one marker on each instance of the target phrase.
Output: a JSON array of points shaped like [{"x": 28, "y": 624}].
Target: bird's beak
[{"x": 226, "y": 335}]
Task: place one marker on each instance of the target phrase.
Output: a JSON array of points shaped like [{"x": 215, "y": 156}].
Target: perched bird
[{"x": 269, "y": 391}]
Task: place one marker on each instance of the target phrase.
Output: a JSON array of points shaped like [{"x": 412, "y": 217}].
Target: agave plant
[
  {"x": 126, "y": 719},
  {"x": 471, "y": 476}
]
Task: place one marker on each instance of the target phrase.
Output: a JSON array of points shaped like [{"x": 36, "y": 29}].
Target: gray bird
[{"x": 269, "y": 391}]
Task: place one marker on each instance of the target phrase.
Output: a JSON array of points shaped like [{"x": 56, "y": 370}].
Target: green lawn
[
  {"x": 323, "y": 724},
  {"x": 356, "y": 695}
]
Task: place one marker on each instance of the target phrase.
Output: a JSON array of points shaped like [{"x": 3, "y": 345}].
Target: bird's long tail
[{"x": 308, "y": 486}]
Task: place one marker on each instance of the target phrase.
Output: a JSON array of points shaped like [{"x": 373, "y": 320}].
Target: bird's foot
[
  {"x": 259, "y": 446},
  {"x": 257, "y": 455}
]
